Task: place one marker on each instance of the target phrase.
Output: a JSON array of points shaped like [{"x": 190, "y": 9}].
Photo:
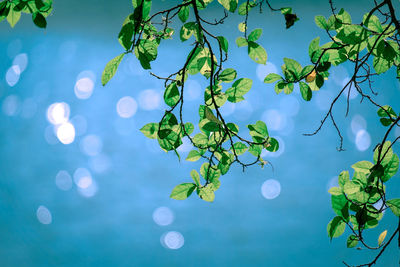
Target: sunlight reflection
[
  {"x": 100, "y": 163},
  {"x": 11, "y": 105},
  {"x": 274, "y": 119},
  {"x": 358, "y": 123},
  {"x": 43, "y": 215},
  {"x": 163, "y": 216},
  {"x": 149, "y": 100},
  {"x": 126, "y": 107},
  {"x": 363, "y": 140},
  {"x": 271, "y": 189},
  {"x": 172, "y": 240},
  {"x": 58, "y": 113},
  {"x": 21, "y": 60},
  {"x": 84, "y": 88},
  {"x": 91, "y": 145},
  {"x": 63, "y": 180},
  {"x": 87, "y": 187},
  {"x": 66, "y": 133},
  {"x": 12, "y": 75}
]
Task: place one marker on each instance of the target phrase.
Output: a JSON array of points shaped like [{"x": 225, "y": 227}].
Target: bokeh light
[
  {"x": 91, "y": 145},
  {"x": 84, "y": 88},
  {"x": 358, "y": 123},
  {"x": 274, "y": 119},
  {"x": 126, "y": 107},
  {"x": 63, "y": 180},
  {"x": 58, "y": 113},
  {"x": 11, "y": 105},
  {"x": 21, "y": 60},
  {"x": 271, "y": 189},
  {"x": 163, "y": 216},
  {"x": 66, "y": 133},
  {"x": 172, "y": 240},
  {"x": 44, "y": 215},
  {"x": 149, "y": 100},
  {"x": 363, "y": 140},
  {"x": 12, "y": 75}
]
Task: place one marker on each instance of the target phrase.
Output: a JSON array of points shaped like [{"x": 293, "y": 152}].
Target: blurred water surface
[{"x": 81, "y": 186}]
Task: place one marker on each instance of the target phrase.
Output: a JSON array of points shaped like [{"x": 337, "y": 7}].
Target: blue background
[{"x": 115, "y": 226}]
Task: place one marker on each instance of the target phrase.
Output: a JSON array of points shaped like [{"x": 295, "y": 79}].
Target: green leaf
[
  {"x": 362, "y": 166},
  {"x": 240, "y": 148},
  {"x": 150, "y": 130},
  {"x": 189, "y": 127},
  {"x": 146, "y": 52},
  {"x": 272, "y": 77},
  {"x": 257, "y": 53},
  {"x": 381, "y": 65},
  {"x": 336, "y": 227},
  {"x": 187, "y": 30},
  {"x": 255, "y": 150},
  {"x": 229, "y": 5},
  {"x": 171, "y": 95},
  {"x": 344, "y": 177},
  {"x": 290, "y": 19},
  {"x": 244, "y": 8},
  {"x": 387, "y": 111},
  {"x": 239, "y": 88},
  {"x": 146, "y": 8},
  {"x": 223, "y": 43},
  {"x": 13, "y": 17},
  {"x": 305, "y": 91},
  {"x": 314, "y": 51},
  {"x": 110, "y": 69},
  {"x": 394, "y": 205},
  {"x": 386, "y": 151},
  {"x": 39, "y": 20},
  {"x": 183, "y": 13},
  {"x": 125, "y": 35},
  {"x": 351, "y": 188},
  {"x": 272, "y": 145},
  {"x": 259, "y": 129},
  {"x": 254, "y": 35},
  {"x": 279, "y": 86},
  {"x": 340, "y": 206},
  {"x": 321, "y": 22},
  {"x": 182, "y": 191},
  {"x": 352, "y": 241},
  {"x": 196, "y": 177},
  {"x": 336, "y": 191},
  {"x": 194, "y": 155},
  {"x": 206, "y": 193},
  {"x": 288, "y": 88},
  {"x": 242, "y": 27},
  {"x": 209, "y": 173},
  {"x": 241, "y": 41},
  {"x": 372, "y": 22},
  {"x": 391, "y": 168},
  {"x": 228, "y": 75},
  {"x": 200, "y": 139},
  {"x": 293, "y": 67}
]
